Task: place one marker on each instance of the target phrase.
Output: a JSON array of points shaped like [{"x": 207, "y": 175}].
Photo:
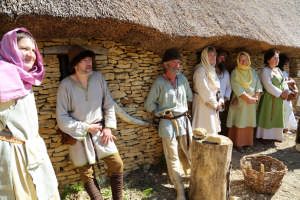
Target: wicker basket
[{"x": 262, "y": 173}]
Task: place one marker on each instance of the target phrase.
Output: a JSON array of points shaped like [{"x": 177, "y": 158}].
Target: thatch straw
[{"x": 156, "y": 25}]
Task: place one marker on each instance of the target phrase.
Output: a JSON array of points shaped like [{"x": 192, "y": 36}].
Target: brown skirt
[{"x": 241, "y": 136}]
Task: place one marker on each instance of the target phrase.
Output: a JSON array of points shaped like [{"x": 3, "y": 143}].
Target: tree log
[{"x": 209, "y": 170}]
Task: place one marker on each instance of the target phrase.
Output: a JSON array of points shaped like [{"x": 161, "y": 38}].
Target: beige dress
[
  {"x": 204, "y": 114},
  {"x": 25, "y": 169}
]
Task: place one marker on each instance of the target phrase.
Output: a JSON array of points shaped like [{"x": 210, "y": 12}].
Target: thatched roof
[{"x": 158, "y": 24}]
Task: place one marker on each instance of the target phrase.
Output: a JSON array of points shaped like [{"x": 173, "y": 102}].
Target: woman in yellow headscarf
[{"x": 246, "y": 88}]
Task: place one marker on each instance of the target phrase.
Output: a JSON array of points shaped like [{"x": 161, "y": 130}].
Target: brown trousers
[{"x": 114, "y": 165}]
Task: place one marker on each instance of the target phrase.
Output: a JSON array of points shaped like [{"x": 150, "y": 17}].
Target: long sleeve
[
  {"x": 108, "y": 107},
  {"x": 66, "y": 123},
  {"x": 200, "y": 82},
  {"x": 285, "y": 85},
  {"x": 189, "y": 93},
  {"x": 228, "y": 89},
  {"x": 267, "y": 83},
  {"x": 258, "y": 86},
  {"x": 151, "y": 102},
  {"x": 238, "y": 90}
]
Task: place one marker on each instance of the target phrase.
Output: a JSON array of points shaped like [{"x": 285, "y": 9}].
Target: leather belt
[
  {"x": 175, "y": 117},
  {"x": 7, "y": 137},
  {"x": 11, "y": 139},
  {"x": 187, "y": 116}
]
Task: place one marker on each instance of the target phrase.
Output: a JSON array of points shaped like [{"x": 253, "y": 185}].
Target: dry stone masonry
[{"x": 130, "y": 72}]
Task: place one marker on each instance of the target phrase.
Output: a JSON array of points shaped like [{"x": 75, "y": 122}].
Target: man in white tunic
[
  {"x": 85, "y": 111},
  {"x": 225, "y": 88},
  {"x": 167, "y": 100}
]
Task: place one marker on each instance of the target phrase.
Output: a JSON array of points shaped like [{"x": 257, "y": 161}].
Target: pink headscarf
[{"x": 15, "y": 81}]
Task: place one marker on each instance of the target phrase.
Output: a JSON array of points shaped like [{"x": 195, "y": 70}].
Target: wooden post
[
  {"x": 298, "y": 137},
  {"x": 209, "y": 170}
]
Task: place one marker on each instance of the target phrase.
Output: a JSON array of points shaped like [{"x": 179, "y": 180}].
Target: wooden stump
[{"x": 210, "y": 165}]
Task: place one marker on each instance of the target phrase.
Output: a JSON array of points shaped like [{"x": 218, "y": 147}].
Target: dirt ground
[{"x": 151, "y": 182}]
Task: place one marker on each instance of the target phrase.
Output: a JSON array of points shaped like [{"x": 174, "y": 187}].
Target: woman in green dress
[
  {"x": 270, "y": 114},
  {"x": 246, "y": 88}
]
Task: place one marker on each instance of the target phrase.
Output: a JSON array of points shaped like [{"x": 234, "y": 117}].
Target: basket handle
[
  {"x": 248, "y": 166},
  {"x": 262, "y": 168}
]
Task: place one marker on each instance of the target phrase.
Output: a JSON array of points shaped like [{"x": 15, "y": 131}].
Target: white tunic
[
  {"x": 290, "y": 122},
  {"x": 76, "y": 108},
  {"x": 225, "y": 86},
  {"x": 204, "y": 103}
]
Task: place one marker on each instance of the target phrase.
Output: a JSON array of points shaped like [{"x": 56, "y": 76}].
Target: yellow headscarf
[
  {"x": 210, "y": 69},
  {"x": 243, "y": 72}
]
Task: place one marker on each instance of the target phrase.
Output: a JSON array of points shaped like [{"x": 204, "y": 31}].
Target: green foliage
[
  {"x": 147, "y": 192},
  {"x": 106, "y": 193},
  {"x": 71, "y": 189}
]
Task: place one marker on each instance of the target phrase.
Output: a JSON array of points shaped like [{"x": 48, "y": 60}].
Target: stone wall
[{"x": 129, "y": 71}]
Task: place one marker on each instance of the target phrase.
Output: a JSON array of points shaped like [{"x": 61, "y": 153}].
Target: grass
[
  {"x": 106, "y": 192},
  {"x": 71, "y": 189},
  {"x": 141, "y": 184}
]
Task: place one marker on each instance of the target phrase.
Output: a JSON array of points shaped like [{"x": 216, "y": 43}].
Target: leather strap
[
  {"x": 11, "y": 139},
  {"x": 97, "y": 159}
]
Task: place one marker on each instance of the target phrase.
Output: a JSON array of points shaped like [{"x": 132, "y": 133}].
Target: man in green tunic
[{"x": 167, "y": 100}]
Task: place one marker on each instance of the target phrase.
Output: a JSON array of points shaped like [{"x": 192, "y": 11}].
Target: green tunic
[
  {"x": 164, "y": 97},
  {"x": 242, "y": 114},
  {"x": 270, "y": 112}
]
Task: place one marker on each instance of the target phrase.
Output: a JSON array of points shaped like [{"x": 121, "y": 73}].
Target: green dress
[
  {"x": 270, "y": 113},
  {"x": 242, "y": 114}
]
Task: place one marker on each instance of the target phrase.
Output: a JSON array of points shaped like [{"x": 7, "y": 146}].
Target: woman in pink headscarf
[{"x": 25, "y": 168}]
